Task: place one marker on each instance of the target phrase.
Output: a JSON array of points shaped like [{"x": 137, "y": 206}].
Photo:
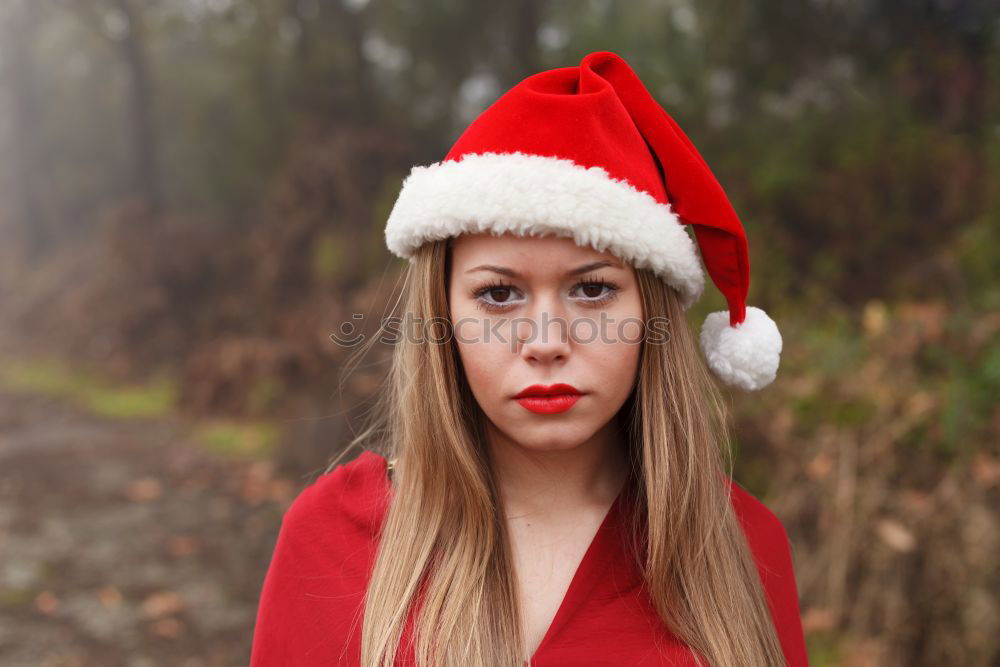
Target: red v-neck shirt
[{"x": 313, "y": 594}]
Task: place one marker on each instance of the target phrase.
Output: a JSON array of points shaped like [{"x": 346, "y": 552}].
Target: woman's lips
[
  {"x": 548, "y": 400},
  {"x": 548, "y": 405}
]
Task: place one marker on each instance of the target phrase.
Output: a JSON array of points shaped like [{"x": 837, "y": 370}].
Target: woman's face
[{"x": 539, "y": 311}]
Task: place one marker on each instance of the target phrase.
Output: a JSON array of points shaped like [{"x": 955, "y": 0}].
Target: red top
[{"x": 313, "y": 593}]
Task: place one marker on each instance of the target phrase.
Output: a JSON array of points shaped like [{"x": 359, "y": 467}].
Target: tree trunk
[
  {"x": 144, "y": 145},
  {"x": 25, "y": 163}
]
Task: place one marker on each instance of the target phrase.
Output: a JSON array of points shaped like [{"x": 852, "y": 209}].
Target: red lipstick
[{"x": 550, "y": 399}]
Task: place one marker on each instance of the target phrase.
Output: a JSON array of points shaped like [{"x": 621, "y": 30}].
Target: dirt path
[{"x": 124, "y": 543}]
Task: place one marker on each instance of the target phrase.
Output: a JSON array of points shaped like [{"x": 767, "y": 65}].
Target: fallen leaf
[
  {"x": 167, "y": 627},
  {"x": 182, "y": 545},
  {"x": 817, "y": 619},
  {"x": 162, "y": 604},
  {"x": 896, "y": 535},
  {"x": 109, "y": 596},
  {"x": 144, "y": 490},
  {"x": 47, "y": 603}
]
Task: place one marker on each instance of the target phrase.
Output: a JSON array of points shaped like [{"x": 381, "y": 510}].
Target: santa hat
[{"x": 586, "y": 152}]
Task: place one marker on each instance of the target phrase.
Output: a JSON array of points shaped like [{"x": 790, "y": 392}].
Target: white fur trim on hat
[
  {"x": 745, "y": 356},
  {"x": 537, "y": 195}
]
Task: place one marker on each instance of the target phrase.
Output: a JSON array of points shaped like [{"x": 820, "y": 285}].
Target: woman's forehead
[{"x": 508, "y": 247}]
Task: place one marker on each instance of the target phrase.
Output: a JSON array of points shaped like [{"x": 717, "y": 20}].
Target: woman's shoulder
[
  {"x": 772, "y": 554},
  {"x": 753, "y": 514},
  {"x": 351, "y": 499},
  {"x": 320, "y": 566},
  {"x": 764, "y": 531}
]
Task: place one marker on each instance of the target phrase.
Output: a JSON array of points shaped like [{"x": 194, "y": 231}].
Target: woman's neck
[{"x": 546, "y": 482}]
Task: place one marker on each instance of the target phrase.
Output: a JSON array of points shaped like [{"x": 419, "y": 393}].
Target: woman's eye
[
  {"x": 504, "y": 293},
  {"x": 593, "y": 291},
  {"x": 498, "y": 296},
  {"x": 494, "y": 297}
]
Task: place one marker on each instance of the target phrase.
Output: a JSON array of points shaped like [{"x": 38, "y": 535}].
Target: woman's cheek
[{"x": 481, "y": 368}]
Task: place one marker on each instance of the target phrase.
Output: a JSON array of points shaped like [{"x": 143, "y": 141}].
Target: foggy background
[{"x": 193, "y": 196}]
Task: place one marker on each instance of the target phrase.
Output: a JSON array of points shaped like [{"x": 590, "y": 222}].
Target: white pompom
[{"x": 745, "y": 356}]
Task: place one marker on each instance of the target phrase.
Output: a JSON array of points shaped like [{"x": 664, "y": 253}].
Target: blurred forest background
[{"x": 192, "y": 199}]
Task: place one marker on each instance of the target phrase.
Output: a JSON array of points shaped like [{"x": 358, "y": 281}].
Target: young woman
[{"x": 547, "y": 482}]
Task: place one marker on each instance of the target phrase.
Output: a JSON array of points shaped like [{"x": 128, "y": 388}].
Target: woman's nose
[{"x": 543, "y": 331}]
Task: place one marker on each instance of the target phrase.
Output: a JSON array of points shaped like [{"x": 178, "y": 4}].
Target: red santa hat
[{"x": 586, "y": 152}]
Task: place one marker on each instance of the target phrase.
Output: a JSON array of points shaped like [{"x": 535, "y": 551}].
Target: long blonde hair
[{"x": 444, "y": 549}]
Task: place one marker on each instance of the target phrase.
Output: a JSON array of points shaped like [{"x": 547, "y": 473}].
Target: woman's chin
[{"x": 548, "y": 438}]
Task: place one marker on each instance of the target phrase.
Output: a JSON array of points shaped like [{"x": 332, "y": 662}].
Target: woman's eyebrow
[{"x": 503, "y": 270}]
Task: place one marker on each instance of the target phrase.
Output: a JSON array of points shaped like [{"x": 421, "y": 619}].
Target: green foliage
[
  {"x": 248, "y": 440},
  {"x": 824, "y": 649},
  {"x": 978, "y": 256},
  {"x": 90, "y": 390},
  {"x": 327, "y": 256},
  {"x": 263, "y": 393}
]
